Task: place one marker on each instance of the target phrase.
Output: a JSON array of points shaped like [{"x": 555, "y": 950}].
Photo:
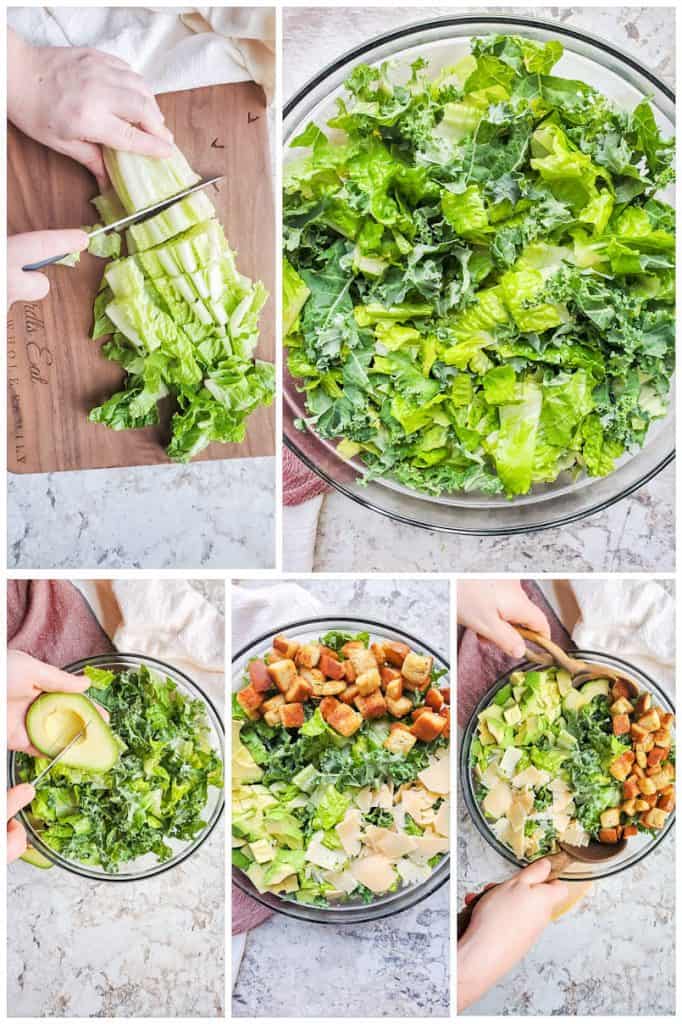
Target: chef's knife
[
  {"x": 134, "y": 218},
  {"x": 39, "y": 778}
]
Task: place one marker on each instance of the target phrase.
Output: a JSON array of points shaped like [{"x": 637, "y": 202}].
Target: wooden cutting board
[{"x": 55, "y": 372}]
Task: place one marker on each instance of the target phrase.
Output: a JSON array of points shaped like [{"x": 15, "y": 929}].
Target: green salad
[
  {"x": 158, "y": 759},
  {"x": 478, "y": 282},
  {"x": 340, "y": 770}
]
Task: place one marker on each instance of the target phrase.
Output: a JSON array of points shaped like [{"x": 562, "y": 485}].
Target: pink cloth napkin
[
  {"x": 246, "y": 913},
  {"x": 299, "y": 483},
  {"x": 52, "y": 621},
  {"x": 480, "y": 662}
]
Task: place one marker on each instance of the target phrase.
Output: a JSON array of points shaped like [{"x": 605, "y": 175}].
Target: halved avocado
[
  {"x": 595, "y": 688},
  {"x": 53, "y": 720},
  {"x": 36, "y": 858}
]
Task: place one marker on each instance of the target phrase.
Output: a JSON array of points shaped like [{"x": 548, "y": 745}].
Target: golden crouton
[
  {"x": 629, "y": 831},
  {"x": 292, "y": 716},
  {"x": 609, "y": 835},
  {"x": 655, "y": 757},
  {"x": 621, "y": 725},
  {"x": 628, "y": 808},
  {"x": 622, "y": 706},
  {"x": 395, "y": 652},
  {"x": 349, "y": 694},
  {"x": 434, "y": 698},
  {"x": 373, "y": 706},
  {"x": 332, "y": 667},
  {"x": 400, "y": 741},
  {"x": 640, "y": 758},
  {"x": 273, "y": 702},
  {"x": 308, "y": 655},
  {"x": 329, "y": 687},
  {"x": 638, "y": 733},
  {"x": 362, "y": 660},
  {"x": 416, "y": 670},
  {"x": 647, "y": 786},
  {"x": 630, "y": 788},
  {"x": 300, "y": 690},
  {"x": 666, "y": 799},
  {"x": 622, "y": 688},
  {"x": 666, "y": 719},
  {"x": 368, "y": 682},
  {"x": 282, "y": 674},
  {"x": 250, "y": 700},
  {"x": 352, "y": 645},
  {"x": 394, "y": 689},
  {"x": 349, "y": 673},
  {"x": 400, "y": 707},
  {"x": 342, "y": 718},
  {"x": 258, "y": 674},
  {"x": 390, "y": 675},
  {"x": 311, "y": 675},
  {"x": 610, "y": 818},
  {"x": 661, "y": 737},
  {"x": 378, "y": 649},
  {"x": 654, "y": 818},
  {"x": 641, "y": 804},
  {"x": 428, "y": 726},
  {"x": 285, "y": 648},
  {"x": 620, "y": 768},
  {"x": 650, "y": 721}
]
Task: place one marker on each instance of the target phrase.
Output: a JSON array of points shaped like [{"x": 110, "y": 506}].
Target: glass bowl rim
[
  {"x": 404, "y": 32},
  {"x": 97, "y": 875},
  {"x": 413, "y": 895},
  {"x": 475, "y": 814}
]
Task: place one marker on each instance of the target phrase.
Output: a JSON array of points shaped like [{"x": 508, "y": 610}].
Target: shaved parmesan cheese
[
  {"x": 517, "y": 815},
  {"x": 349, "y": 832},
  {"x": 518, "y": 841},
  {"x": 437, "y": 776},
  {"x": 375, "y": 872},
  {"x": 342, "y": 881},
  {"x": 383, "y": 797},
  {"x": 391, "y": 844},
  {"x": 561, "y": 822},
  {"x": 510, "y": 759},
  {"x": 319, "y": 854},
  {"x": 442, "y": 820},
  {"x": 501, "y": 829},
  {"x": 531, "y": 776},
  {"x": 416, "y": 802},
  {"x": 575, "y": 835},
  {"x": 363, "y": 800},
  {"x": 498, "y": 800},
  {"x": 490, "y": 776},
  {"x": 412, "y": 873},
  {"x": 427, "y": 847}
]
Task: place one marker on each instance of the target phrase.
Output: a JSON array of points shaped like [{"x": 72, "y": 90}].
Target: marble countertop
[
  {"x": 408, "y": 952},
  {"x": 207, "y": 515},
  {"x": 637, "y": 533},
  {"x": 140, "y": 949}
]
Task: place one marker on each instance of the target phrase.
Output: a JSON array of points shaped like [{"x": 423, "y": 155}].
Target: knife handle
[{"x": 45, "y": 263}]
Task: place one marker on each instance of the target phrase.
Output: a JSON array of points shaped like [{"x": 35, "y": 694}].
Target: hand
[
  {"x": 27, "y": 678},
  {"x": 73, "y": 99},
  {"x": 17, "y": 798},
  {"x": 31, "y": 286},
  {"x": 504, "y": 925},
  {"x": 489, "y": 606}
]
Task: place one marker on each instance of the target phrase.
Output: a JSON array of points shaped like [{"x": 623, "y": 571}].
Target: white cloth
[
  {"x": 299, "y": 529},
  {"x": 170, "y": 620},
  {"x": 633, "y": 619},
  {"x": 172, "y": 48}
]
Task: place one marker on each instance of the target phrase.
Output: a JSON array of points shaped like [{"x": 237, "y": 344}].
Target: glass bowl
[
  {"x": 147, "y": 866},
  {"x": 353, "y": 911},
  {"x": 443, "y": 41},
  {"x": 636, "y": 849}
]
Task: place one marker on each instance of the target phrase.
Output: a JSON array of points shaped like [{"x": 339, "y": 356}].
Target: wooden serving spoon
[{"x": 580, "y": 671}]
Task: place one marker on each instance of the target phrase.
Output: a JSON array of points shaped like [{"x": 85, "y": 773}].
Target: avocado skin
[
  {"x": 36, "y": 858},
  {"x": 98, "y": 750}
]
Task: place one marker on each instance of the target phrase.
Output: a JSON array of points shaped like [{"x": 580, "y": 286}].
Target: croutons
[
  {"x": 629, "y": 808},
  {"x": 629, "y": 831},
  {"x": 292, "y": 715},
  {"x": 622, "y": 706},
  {"x": 416, "y": 670},
  {"x": 349, "y": 694},
  {"x": 352, "y": 645},
  {"x": 400, "y": 741},
  {"x": 373, "y": 706},
  {"x": 643, "y": 704},
  {"x": 311, "y": 675},
  {"x": 250, "y": 700},
  {"x": 300, "y": 690},
  {"x": 640, "y": 758},
  {"x": 394, "y": 689},
  {"x": 622, "y": 688},
  {"x": 362, "y": 660},
  {"x": 630, "y": 788},
  {"x": 654, "y": 818},
  {"x": 428, "y": 726},
  {"x": 638, "y": 733},
  {"x": 270, "y": 709},
  {"x": 329, "y": 687},
  {"x": 661, "y": 737},
  {"x": 610, "y": 818},
  {"x": 621, "y": 725},
  {"x": 666, "y": 799},
  {"x": 285, "y": 648},
  {"x": 282, "y": 674},
  {"x": 620, "y": 768},
  {"x": 608, "y": 835},
  {"x": 641, "y": 804},
  {"x": 379, "y": 652},
  {"x": 342, "y": 718},
  {"x": 332, "y": 668},
  {"x": 647, "y": 786},
  {"x": 655, "y": 756},
  {"x": 308, "y": 655},
  {"x": 395, "y": 652},
  {"x": 650, "y": 721},
  {"x": 349, "y": 673},
  {"x": 434, "y": 698},
  {"x": 400, "y": 707},
  {"x": 368, "y": 682},
  {"x": 389, "y": 675},
  {"x": 258, "y": 674},
  {"x": 666, "y": 719}
]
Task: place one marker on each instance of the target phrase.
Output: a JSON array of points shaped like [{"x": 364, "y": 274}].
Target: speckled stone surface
[
  {"x": 142, "y": 949},
  {"x": 396, "y": 967},
  {"x": 636, "y": 534},
  {"x": 211, "y": 515}
]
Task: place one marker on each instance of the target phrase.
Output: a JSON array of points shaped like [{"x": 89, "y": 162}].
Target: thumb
[
  {"x": 537, "y": 872},
  {"x": 507, "y": 639},
  {"x": 16, "y": 841},
  {"x": 18, "y": 797}
]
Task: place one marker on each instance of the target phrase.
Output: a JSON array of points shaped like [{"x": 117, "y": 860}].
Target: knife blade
[
  {"x": 133, "y": 218},
  {"x": 74, "y": 739}
]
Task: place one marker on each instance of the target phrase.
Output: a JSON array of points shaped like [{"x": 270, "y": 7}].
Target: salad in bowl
[{"x": 340, "y": 771}]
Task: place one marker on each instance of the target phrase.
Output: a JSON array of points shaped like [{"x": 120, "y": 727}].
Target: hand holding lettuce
[{"x": 478, "y": 281}]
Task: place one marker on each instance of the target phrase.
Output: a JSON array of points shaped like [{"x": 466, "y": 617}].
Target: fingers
[
  {"x": 121, "y": 134},
  {"x": 506, "y": 638},
  {"x": 40, "y": 245},
  {"x": 18, "y": 797},
  {"x": 90, "y": 155},
  {"x": 16, "y": 841},
  {"x": 29, "y": 287},
  {"x": 51, "y": 679},
  {"x": 532, "y": 617}
]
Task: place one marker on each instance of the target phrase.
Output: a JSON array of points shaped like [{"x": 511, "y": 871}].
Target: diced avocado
[
  {"x": 307, "y": 778},
  {"x": 486, "y": 737},
  {"x": 574, "y": 700},
  {"x": 595, "y": 688},
  {"x": 504, "y": 734},
  {"x": 284, "y": 827},
  {"x": 262, "y": 851},
  {"x": 286, "y": 886},
  {"x": 566, "y": 740},
  {"x": 240, "y": 860},
  {"x": 503, "y": 695},
  {"x": 530, "y": 730},
  {"x": 256, "y": 872},
  {"x": 517, "y": 693},
  {"x": 244, "y": 768},
  {"x": 564, "y": 682},
  {"x": 36, "y": 858},
  {"x": 52, "y": 721},
  {"x": 517, "y": 678},
  {"x": 530, "y": 702},
  {"x": 512, "y": 715},
  {"x": 493, "y": 711}
]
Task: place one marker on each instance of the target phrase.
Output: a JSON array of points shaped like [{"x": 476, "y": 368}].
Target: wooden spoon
[{"x": 580, "y": 671}]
